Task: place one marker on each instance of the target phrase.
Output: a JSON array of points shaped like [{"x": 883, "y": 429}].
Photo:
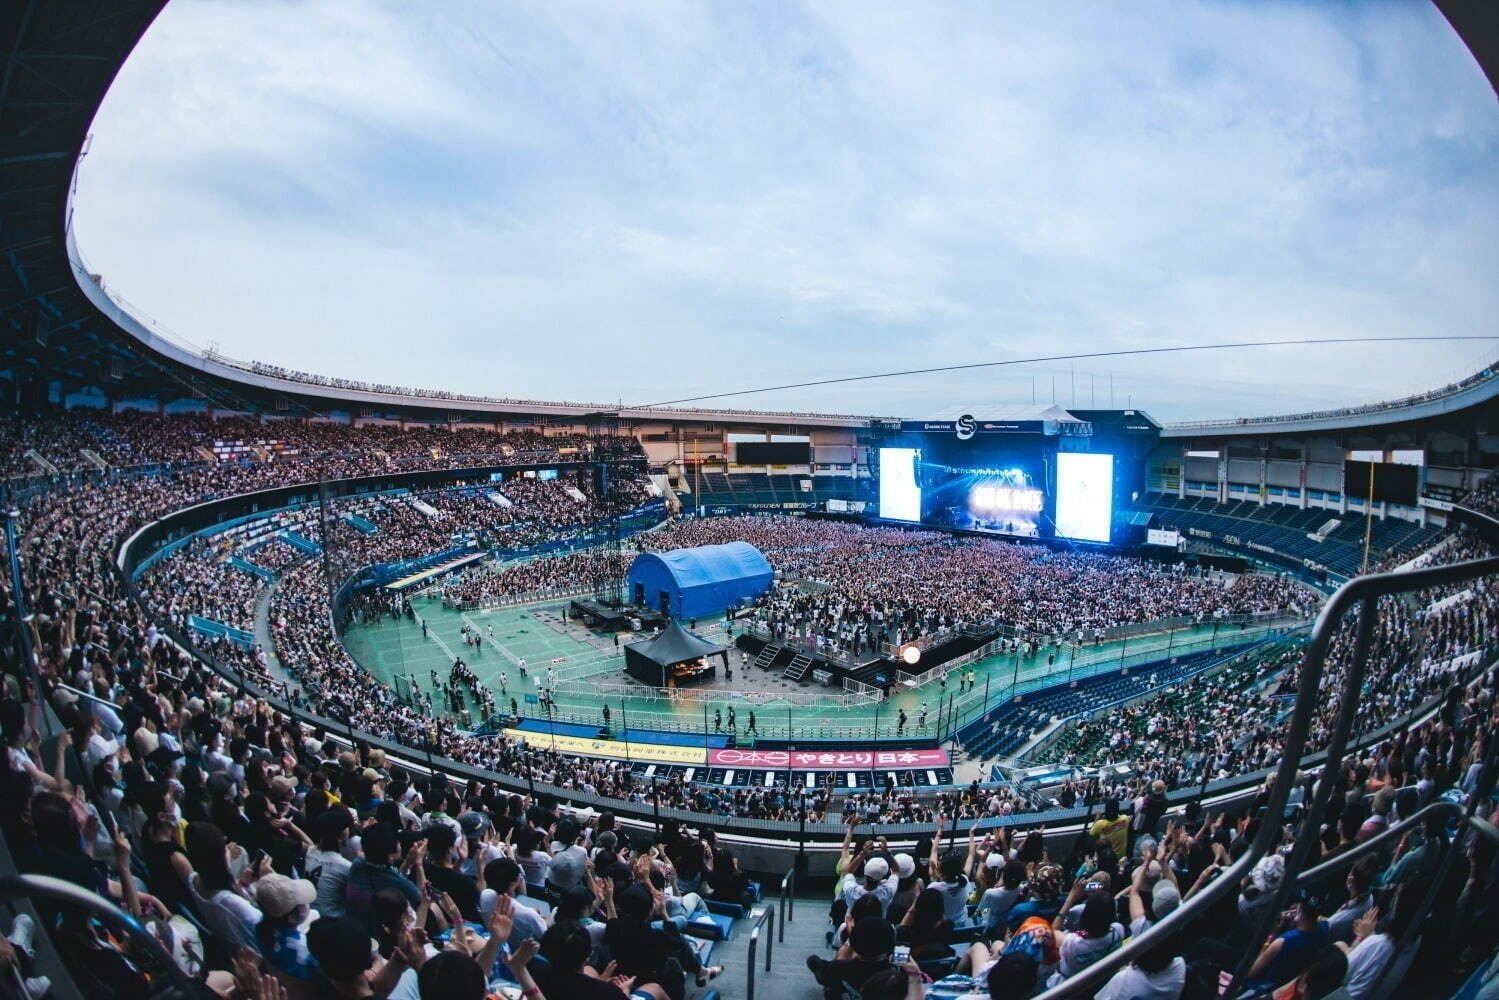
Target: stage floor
[{"x": 582, "y": 660}]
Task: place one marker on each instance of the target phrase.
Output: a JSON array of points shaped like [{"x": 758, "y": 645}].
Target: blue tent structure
[{"x": 699, "y": 582}]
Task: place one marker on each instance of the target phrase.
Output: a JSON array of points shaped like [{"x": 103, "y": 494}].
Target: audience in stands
[{"x": 169, "y": 789}]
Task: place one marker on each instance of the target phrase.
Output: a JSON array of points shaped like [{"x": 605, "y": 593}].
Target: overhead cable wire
[{"x": 1128, "y": 352}]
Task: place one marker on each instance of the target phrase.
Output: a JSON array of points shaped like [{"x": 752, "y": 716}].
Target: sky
[{"x": 633, "y": 203}]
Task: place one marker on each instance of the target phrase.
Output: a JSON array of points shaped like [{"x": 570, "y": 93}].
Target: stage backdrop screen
[
  {"x": 900, "y": 494},
  {"x": 1085, "y": 496},
  {"x": 773, "y": 453},
  {"x": 1392, "y": 483}
]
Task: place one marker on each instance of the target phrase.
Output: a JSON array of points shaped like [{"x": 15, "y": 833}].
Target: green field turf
[{"x": 396, "y": 653}]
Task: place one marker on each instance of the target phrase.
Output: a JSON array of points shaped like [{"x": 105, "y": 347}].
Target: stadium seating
[{"x": 1286, "y": 529}]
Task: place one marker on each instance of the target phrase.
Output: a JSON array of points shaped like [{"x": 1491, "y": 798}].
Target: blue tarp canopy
[{"x": 699, "y": 582}]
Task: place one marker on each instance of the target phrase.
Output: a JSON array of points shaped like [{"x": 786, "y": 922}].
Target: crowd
[
  {"x": 295, "y": 855},
  {"x": 1234, "y": 721},
  {"x": 134, "y": 438},
  {"x": 846, "y": 589},
  {"x": 1484, "y": 498},
  {"x": 1005, "y": 914},
  {"x": 174, "y": 793}
]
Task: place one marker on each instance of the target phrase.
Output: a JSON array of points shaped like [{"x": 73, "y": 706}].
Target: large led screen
[
  {"x": 900, "y": 493},
  {"x": 1085, "y": 496}
]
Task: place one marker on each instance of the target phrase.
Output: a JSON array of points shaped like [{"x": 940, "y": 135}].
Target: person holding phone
[{"x": 1097, "y": 934}]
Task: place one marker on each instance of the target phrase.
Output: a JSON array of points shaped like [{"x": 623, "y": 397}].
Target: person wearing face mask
[
  {"x": 286, "y": 907},
  {"x": 327, "y": 862},
  {"x": 161, "y": 851}
]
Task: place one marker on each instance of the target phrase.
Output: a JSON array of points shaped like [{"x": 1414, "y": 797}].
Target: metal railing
[
  {"x": 788, "y": 901},
  {"x": 1362, "y": 594},
  {"x": 169, "y": 982},
  {"x": 766, "y": 916}
]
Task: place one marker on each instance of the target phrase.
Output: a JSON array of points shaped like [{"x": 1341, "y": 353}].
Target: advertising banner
[
  {"x": 832, "y": 760},
  {"x": 656, "y": 753}
]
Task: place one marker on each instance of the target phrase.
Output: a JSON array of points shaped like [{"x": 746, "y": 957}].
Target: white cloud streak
[{"x": 650, "y": 201}]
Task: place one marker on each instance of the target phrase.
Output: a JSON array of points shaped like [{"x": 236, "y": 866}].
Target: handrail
[
  {"x": 767, "y": 915},
  {"x": 1363, "y": 591},
  {"x": 175, "y": 983},
  {"x": 788, "y": 900}
]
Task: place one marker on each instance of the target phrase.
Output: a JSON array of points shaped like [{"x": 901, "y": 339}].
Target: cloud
[{"x": 646, "y": 202}]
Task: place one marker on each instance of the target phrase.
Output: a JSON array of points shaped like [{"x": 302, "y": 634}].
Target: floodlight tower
[{"x": 611, "y": 482}]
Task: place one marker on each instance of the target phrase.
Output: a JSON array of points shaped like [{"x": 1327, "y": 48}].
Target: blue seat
[{"x": 711, "y": 926}]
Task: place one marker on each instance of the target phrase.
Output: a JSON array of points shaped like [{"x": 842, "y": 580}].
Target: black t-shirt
[
  {"x": 464, "y": 890},
  {"x": 576, "y": 986},
  {"x": 165, "y": 883},
  {"x": 850, "y": 972}
]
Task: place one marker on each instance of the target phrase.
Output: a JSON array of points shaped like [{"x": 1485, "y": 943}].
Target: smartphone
[
  {"x": 260, "y": 856},
  {"x": 1093, "y": 887},
  {"x": 902, "y": 953}
]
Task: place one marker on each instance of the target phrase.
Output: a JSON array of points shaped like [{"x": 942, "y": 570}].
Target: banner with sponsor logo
[
  {"x": 656, "y": 753},
  {"x": 831, "y": 760}
]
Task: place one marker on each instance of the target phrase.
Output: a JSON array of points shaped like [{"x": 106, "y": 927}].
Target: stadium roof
[{"x": 63, "y": 331}]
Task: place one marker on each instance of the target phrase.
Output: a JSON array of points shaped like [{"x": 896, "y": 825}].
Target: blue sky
[{"x": 648, "y": 201}]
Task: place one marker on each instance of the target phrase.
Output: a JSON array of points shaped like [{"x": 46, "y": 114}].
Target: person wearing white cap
[
  {"x": 878, "y": 880},
  {"x": 994, "y": 905},
  {"x": 907, "y": 888},
  {"x": 286, "y": 907}
]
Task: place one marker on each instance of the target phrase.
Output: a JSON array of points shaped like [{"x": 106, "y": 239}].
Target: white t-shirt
[
  {"x": 1367, "y": 960},
  {"x": 995, "y": 904},
  {"x": 955, "y": 900},
  {"x": 852, "y": 888},
  {"x": 242, "y": 908},
  {"x": 1079, "y": 952},
  {"x": 333, "y": 877},
  {"x": 1133, "y": 983},
  {"x": 21, "y": 763},
  {"x": 534, "y": 866}
]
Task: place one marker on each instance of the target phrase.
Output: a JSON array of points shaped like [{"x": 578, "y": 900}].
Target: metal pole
[
  {"x": 876, "y": 722},
  {"x": 624, "y": 730},
  {"x": 23, "y": 625}
]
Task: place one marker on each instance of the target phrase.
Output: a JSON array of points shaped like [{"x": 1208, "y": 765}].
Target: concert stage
[{"x": 615, "y": 618}]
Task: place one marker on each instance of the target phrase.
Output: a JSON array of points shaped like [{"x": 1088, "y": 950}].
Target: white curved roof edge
[
  {"x": 220, "y": 367},
  {"x": 1480, "y": 389},
  {"x": 1483, "y": 387}
]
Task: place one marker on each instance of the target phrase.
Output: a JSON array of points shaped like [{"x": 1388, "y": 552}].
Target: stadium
[{"x": 320, "y": 687}]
